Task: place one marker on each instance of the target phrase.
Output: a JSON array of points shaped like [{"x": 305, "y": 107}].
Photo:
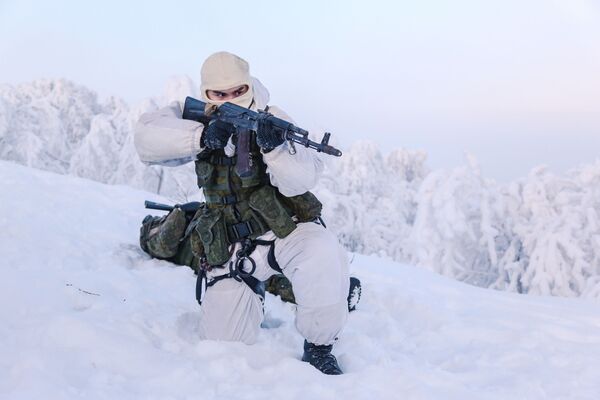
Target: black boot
[{"x": 321, "y": 358}]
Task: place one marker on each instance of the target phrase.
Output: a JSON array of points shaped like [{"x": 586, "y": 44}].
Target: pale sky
[{"x": 515, "y": 83}]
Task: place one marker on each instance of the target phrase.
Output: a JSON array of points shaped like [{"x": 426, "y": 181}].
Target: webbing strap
[
  {"x": 271, "y": 256},
  {"x": 212, "y": 198},
  {"x": 257, "y": 287},
  {"x": 202, "y": 283}
]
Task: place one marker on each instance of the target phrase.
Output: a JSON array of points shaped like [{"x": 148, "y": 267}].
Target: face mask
[
  {"x": 223, "y": 70},
  {"x": 244, "y": 100}
]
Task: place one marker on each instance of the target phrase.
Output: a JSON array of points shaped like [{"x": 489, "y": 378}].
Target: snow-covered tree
[
  {"x": 44, "y": 122},
  {"x": 557, "y": 222},
  {"x": 369, "y": 200},
  {"x": 457, "y": 225},
  {"x": 538, "y": 235},
  {"x": 60, "y": 126}
]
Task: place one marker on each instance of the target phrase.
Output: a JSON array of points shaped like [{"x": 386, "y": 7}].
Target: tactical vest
[{"x": 239, "y": 208}]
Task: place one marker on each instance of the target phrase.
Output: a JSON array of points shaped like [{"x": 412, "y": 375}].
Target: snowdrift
[{"x": 86, "y": 314}]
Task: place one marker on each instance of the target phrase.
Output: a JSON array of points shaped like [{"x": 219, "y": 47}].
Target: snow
[
  {"x": 86, "y": 314},
  {"x": 537, "y": 235}
]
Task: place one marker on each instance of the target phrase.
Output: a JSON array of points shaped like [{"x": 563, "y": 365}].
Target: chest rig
[{"x": 240, "y": 209}]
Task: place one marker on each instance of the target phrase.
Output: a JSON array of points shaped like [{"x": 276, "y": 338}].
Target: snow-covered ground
[{"x": 85, "y": 314}]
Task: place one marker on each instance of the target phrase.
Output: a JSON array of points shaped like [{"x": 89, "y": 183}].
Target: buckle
[
  {"x": 229, "y": 199},
  {"x": 242, "y": 230}
]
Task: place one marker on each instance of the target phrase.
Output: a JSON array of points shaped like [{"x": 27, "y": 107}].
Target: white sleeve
[
  {"x": 292, "y": 174},
  {"x": 163, "y": 137}
]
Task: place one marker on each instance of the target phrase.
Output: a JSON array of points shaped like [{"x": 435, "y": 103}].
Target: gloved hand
[
  {"x": 217, "y": 134},
  {"x": 268, "y": 137},
  {"x": 190, "y": 209}
]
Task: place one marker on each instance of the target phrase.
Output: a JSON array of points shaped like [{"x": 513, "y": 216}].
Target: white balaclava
[{"x": 222, "y": 71}]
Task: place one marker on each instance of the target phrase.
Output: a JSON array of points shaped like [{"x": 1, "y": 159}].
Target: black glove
[
  {"x": 190, "y": 209},
  {"x": 217, "y": 134},
  {"x": 268, "y": 137}
]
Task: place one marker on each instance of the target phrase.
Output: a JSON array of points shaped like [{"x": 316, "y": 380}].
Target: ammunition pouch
[
  {"x": 265, "y": 202},
  {"x": 212, "y": 231},
  {"x": 204, "y": 172},
  {"x": 306, "y": 207},
  {"x": 196, "y": 245},
  {"x": 185, "y": 255}
]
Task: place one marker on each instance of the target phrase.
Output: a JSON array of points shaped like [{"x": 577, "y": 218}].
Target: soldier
[{"x": 250, "y": 227}]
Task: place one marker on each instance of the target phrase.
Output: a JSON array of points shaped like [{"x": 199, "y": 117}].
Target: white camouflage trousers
[{"x": 316, "y": 265}]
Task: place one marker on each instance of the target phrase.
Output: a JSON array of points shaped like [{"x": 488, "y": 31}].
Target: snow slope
[{"x": 86, "y": 314}]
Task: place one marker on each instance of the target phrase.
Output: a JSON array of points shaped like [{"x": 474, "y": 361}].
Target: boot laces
[{"x": 322, "y": 359}]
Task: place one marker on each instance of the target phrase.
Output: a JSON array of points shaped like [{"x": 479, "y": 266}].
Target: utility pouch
[
  {"x": 265, "y": 202},
  {"x": 196, "y": 245},
  {"x": 306, "y": 207},
  {"x": 204, "y": 172},
  {"x": 213, "y": 236},
  {"x": 185, "y": 255}
]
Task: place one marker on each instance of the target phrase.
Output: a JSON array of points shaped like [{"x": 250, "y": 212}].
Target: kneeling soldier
[{"x": 254, "y": 225}]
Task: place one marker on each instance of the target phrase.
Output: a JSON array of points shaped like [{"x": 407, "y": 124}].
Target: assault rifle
[
  {"x": 189, "y": 208},
  {"x": 246, "y": 121}
]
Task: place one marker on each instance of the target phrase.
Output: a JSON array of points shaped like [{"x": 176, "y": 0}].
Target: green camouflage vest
[{"x": 243, "y": 207}]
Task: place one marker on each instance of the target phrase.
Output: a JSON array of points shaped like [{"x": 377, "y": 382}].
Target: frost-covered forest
[{"x": 539, "y": 234}]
